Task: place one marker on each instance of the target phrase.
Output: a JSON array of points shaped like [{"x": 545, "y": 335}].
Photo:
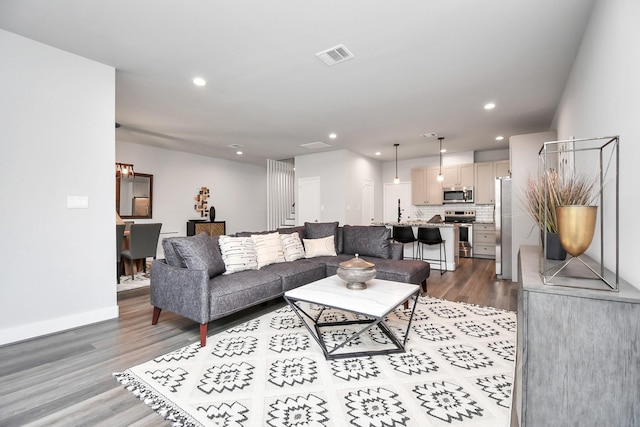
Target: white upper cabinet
[
  {"x": 425, "y": 188},
  {"x": 485, "y": 175},
  {"x": 458, "y": 175}
]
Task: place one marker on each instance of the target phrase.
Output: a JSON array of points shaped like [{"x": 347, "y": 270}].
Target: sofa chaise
[{"x": 194, "y": 281}]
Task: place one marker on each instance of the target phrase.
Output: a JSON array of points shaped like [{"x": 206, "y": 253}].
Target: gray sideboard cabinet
[{"x": 578, "y": 352}]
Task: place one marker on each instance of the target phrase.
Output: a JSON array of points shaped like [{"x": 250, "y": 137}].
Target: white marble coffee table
[{"x": 371, "y": 305}]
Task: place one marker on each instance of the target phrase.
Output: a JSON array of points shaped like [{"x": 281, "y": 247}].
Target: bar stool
[
  {"x": 404, "y": 234},
  {"x": 431, "y": 236}
]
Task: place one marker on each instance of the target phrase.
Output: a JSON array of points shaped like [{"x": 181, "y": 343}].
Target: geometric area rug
[{"x": 458, "y": 370}]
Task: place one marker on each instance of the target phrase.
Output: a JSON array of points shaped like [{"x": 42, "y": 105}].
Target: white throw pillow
[
  {"x": 325, "y": 246},
  {"x": 292, "y": 246},
  {"x": 238, "y": 254},
  {"x": 268, "y": 248}
]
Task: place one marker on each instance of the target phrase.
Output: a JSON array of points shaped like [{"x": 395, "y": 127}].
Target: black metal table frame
[{"x": 373, "y": 321}]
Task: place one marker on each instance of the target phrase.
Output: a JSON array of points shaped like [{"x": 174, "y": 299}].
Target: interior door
[{"x": 309, "y": 207}]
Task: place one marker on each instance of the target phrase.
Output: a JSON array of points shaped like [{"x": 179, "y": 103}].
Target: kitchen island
[{"x": 449, "y": 233}]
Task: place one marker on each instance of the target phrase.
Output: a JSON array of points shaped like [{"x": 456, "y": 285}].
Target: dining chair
[
  {"x": 119, "y": 240},
  {"x": 404, "y": 234},
  {"x": 431, "y": 236},
  {"x": 143, "y": 243}
]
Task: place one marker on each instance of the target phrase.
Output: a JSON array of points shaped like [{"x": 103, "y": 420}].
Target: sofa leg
[
  {"x": 156, "y": 315},
  {"x": 424, "y": 285},
  {"x": 203, "y": 334},
  {"x": 406, "y": 305}
]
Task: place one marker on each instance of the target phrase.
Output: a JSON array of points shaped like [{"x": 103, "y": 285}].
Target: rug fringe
[{"x": 155, "y": 401}]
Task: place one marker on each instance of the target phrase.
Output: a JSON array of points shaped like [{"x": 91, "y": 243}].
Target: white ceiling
[{"x": 420, "y": 66}]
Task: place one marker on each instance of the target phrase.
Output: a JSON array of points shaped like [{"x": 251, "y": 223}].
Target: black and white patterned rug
[{"x": 458, "y": 370}]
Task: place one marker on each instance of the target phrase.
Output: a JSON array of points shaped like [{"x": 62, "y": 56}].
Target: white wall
[
  {"x": 341, "y": 175},
  {"x": 57, "y": 138},
  {"x": 524, "y": 162},
  {"x": 601, "y": 98},
  {"x": 237, "y": 190}
]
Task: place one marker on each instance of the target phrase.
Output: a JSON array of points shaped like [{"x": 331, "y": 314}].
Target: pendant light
[
  {"x": 396, "y": 180},
  {"x": 440, "y": 176}
]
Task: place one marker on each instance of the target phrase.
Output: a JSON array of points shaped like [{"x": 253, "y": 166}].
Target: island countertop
[{"x": 417, "y": 224}]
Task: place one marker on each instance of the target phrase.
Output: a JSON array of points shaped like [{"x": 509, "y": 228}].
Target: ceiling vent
[
  {"x": 429, "y": 135},
  {"x": 315, "y": 145},
  {"x": 235, "y": 146},
  {"x": 335, "y": 55}
]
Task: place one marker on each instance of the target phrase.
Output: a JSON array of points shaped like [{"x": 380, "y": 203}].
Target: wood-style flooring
[{"x": 65, "y": 379}]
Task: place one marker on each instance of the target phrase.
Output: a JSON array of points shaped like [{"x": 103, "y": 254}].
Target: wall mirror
[{"x": 134, "y": 195}]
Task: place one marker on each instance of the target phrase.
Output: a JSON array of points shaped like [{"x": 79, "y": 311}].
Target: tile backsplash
[{"x": 484, "y": 213}]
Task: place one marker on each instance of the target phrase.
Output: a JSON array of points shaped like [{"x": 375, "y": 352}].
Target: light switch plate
[{"x": 78, "y": 202}]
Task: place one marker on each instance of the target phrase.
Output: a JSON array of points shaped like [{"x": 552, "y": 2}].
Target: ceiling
[{"x": 419, "y": 66}]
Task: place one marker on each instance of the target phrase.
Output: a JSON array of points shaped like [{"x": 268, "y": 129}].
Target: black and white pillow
[
  {"x": 292, "y": 246},
  {"x": 268, "y": 249},
  {"x": 238, "y": 254}
]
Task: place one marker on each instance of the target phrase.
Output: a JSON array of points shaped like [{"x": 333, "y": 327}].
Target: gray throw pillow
[
  {"x": 317, "y": 230},
  {"x": 366, "y": 240},
  {"x": 170, "y": 255},
  {"x": 198, "y": 253}
]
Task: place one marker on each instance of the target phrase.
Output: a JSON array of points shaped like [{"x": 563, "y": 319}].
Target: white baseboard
[{"x": 59, "y": 324}]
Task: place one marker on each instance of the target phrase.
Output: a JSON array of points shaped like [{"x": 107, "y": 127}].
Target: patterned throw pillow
[
  {"x": 268, "y": 249},
  {"x": 324, "y": 246},
  {"x": 238, "y": 254},
  {"x": 292, "y": 246}
]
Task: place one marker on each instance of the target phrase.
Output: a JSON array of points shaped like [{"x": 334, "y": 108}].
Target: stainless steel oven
[{"x": 464, "y": 219}]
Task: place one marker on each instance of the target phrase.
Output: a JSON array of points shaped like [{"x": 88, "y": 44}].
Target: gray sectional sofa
[{"x": 190, "y": 280}]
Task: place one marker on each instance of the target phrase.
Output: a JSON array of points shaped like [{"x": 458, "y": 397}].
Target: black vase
[
  {"x": 212, "y": 213},
  {"x": 554, "y": 249}
]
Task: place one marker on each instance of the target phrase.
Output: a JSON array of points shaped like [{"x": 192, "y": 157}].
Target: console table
[
  {"x": 578, "y": 358},
  {"x": 216, "y": 228}
]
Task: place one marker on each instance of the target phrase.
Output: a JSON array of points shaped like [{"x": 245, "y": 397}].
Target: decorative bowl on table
[{"x": 356, "y": 272}]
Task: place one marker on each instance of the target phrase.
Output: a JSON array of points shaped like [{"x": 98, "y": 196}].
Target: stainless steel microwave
[{"x": 457, "y": 195}]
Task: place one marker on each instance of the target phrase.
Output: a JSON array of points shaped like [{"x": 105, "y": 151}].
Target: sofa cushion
[
  {"x": 238, "y": 254},
  {"x": 406, "y": 271},
  {"x": 170, "y": 255},
  {"x": 232, "y": 293},
  {"x": 324, "y": 246},
  {"x": 197, "y": 252},
  {"x": 366, "y": 240},
  {"x": 297, "y": 273},
  {"x": 292, "y": 246},
  {"x": 290, "y": 230},
  {"x": 268, "y": 249}
]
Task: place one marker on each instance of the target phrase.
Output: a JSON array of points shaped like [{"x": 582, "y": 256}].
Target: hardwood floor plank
[{"x": 65, "y": 379}]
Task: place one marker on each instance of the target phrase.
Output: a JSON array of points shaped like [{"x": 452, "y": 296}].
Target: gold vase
[{"x": 576, "y": 225}]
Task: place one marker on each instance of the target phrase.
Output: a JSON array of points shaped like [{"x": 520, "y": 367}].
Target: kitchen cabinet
[
  {"x": 425, "y": 188},
  {"x": 485, "y": 178},
  {"x": 502, "y": 168},
  {"x": 458, "y": 175},
  {"x": 484, "y": 240}
]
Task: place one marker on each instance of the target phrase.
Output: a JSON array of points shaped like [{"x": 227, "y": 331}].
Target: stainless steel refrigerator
[{"x": 502, "y": 219}]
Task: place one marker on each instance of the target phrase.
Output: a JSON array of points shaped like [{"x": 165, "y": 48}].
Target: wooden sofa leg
[
  {"x": 203, "y": 334},
  {"x": 424, "y": 285},
  {"x": 156, "y": 315},
  {"x": 406, "y": 305}
]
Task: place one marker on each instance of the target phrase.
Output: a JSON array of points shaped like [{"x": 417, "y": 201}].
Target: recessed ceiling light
[
  {"x": 199, "y": 81},
  {"x": 499, "y": 138},
  {"x": 333, "y": 136},
  {"x": 378, "y": 153},
  {"x": 239, "y": 153},
  {"x": 489, "y": 106},
  {"x": 444, "y": 150}
]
